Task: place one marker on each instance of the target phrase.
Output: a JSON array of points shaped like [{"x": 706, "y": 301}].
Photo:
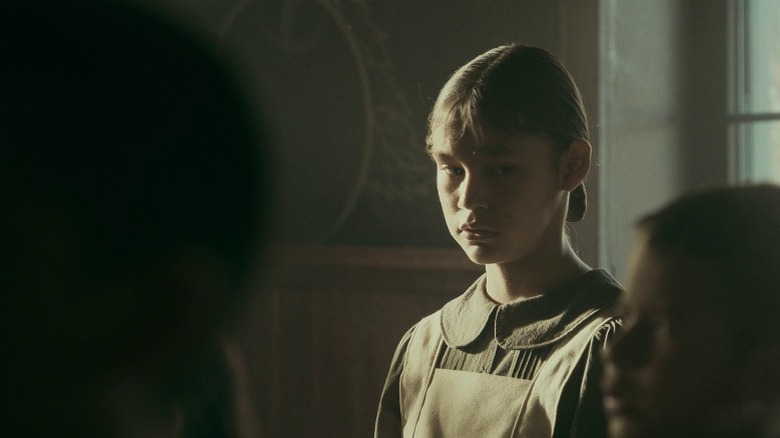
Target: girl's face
[
  {"x": 502, "y": 197},
  {"x": 669, "y": 369}
]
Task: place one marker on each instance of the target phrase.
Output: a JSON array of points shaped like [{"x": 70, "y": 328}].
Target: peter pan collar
[{"x": 532, "y": 322}]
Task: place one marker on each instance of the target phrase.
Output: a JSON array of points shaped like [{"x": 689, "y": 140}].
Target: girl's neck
[{"x": 536, "y": 275}]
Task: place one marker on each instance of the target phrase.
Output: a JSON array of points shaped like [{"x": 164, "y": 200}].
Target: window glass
[
  {"x": 760, "y": 151},
  {"x": 762, "y": 75},
  {"x": 754, "y": 116}
]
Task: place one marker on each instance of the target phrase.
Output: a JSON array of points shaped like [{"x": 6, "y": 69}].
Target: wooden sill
[
  {"x": 375, "y": 257},
  {"x": 352, "y": 268}
]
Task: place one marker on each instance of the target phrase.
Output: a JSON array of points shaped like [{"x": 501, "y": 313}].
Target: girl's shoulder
[{"x": 598, "y": 280}]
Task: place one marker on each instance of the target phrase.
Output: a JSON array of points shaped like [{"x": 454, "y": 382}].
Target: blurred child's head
[
  {"x": 513, "y": 89},
  {"x": 131, "y": 184},
  {"x": 701, "y": 316}
]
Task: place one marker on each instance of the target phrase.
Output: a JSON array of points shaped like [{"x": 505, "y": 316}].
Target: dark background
[{"x": 347, "y": 87}]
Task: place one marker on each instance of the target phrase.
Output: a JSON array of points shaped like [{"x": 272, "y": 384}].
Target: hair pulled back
[{"x": 513, "y": 88}]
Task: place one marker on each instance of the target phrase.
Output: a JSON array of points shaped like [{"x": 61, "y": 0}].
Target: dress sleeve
[
  {"x": 581, "y": 412},
  {"x": 388, "y": 420}
]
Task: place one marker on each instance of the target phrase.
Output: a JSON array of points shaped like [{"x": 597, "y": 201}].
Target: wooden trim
[
  {"x": 375, "y": 257},
  {"x": 753, "y": 117},
  {"x": 341, "y": 269}
]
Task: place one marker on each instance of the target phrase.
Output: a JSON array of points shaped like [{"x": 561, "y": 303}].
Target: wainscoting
[{"x": 325, "y": 327}]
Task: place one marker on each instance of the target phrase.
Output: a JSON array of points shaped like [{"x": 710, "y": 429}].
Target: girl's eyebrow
[
  {"x": 492, "y": 150},
  {"x": 438, "y": 155}
]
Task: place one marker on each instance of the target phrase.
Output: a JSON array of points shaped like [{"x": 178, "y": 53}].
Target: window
[{"x": 754, "y": 113}]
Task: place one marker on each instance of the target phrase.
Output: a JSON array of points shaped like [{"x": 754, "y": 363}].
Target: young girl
[
  {"x": 699, "y": 354},
  {"x": 517, "y": 353}
]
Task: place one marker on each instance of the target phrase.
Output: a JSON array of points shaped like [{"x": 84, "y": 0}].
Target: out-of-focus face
[
  {"x": 501, "y": 197},
  {"x": 669, "y": 370}
]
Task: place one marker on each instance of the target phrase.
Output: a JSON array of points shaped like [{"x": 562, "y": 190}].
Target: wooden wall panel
[{"x": 326, "y": 324}]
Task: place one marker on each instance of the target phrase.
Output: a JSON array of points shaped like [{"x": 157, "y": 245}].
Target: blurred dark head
[
  {"x": 132, "y": 188},
  {"x": 699, "y": 350},
  {"x": 734, "y": 231}
]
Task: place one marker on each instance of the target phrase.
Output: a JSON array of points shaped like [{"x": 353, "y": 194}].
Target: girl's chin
[
  {"x": 481, "y": 255},
  {"x": 623, "y": 428}
]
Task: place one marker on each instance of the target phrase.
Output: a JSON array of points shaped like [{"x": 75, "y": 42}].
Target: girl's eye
[
  {"x": 652, "y": 326},
  {"x": 452, "y": 170}
]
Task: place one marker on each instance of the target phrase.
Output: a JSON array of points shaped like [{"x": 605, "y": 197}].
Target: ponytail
[{"x": 578, "y": 204}]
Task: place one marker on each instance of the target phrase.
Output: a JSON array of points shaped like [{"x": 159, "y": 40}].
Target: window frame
[{"x": 739, "y": 117}]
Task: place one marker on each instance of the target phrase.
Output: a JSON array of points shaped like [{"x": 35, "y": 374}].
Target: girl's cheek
[{"x": 448, "y": 194}]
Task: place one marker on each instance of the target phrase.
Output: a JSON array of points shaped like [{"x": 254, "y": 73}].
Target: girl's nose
[{"x": 473, "y": 194}]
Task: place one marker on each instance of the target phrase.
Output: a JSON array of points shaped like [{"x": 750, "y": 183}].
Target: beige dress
[{"x": 529, "y": 368}]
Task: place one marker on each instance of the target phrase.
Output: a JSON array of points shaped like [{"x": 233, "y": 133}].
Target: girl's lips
[
  {"x": 477, "y": 234},
  {"x": 617, "y": 400}
]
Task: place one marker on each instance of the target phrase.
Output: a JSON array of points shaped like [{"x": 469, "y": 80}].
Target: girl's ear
[{"x": 575, "y": 164}]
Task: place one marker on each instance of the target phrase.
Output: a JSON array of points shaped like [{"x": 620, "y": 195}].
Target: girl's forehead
[
  {"x": 672, "y": 282},
  {"x": 491, "y": 143}
]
